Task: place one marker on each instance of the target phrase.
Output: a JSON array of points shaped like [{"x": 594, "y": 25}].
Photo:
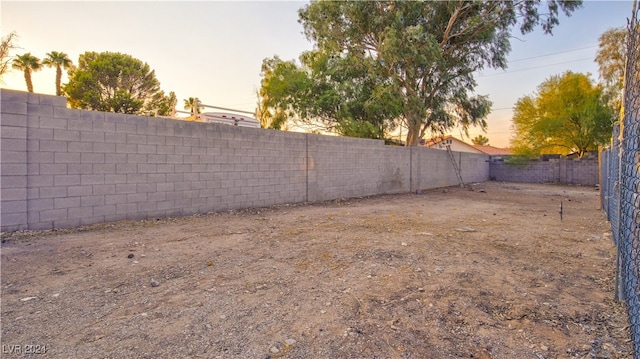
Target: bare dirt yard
[{"x": 450, "y": 273}]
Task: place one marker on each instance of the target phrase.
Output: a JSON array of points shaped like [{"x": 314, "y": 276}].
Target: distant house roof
[
  {"x": 459, "y": 145},
  {"x": 455, "y": 144},
  {"x": 493, "y": 151},
  {"x": 434, "y": 140}
]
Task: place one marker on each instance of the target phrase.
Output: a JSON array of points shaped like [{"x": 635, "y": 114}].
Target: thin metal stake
[{"x": 560, "y": 210}]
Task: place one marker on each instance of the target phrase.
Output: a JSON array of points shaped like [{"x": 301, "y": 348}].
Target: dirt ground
[{"x": 486, "y": 273}]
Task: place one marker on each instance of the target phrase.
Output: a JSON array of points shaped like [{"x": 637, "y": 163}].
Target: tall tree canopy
[
  {"x": 27, "y": 63},
  {"x": 162, "y": 105},
  {"x": 112, "y": 82},
  {"x": 611, "y": 56},
  {"x": 283, "y": 88},
  {"x": 334, "y": 91},
  {"x": 60, "y": 61},
  {"x": 7, "y": 44},
  {"x": 567, "y": 115},
  {"x": 419, "y": 55}
]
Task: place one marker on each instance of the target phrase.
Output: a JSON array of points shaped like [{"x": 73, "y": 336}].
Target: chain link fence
[{"x": 620, "y": 166}]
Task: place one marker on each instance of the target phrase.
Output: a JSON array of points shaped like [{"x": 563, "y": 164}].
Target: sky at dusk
[{"x": 213, "y": 50}]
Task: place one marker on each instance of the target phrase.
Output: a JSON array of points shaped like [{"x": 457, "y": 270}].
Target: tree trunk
[
  {"x": 413, "y": 125},
  {"x": 27, "y": 78},
  {"x": 58, "y": 81},
  {"x": 413, "y": 136}
]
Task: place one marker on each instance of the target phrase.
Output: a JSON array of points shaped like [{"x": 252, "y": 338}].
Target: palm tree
[
  {"x": 28, "y": 64},
  {"x": 60, "y": 61},
  {"x": 192, "y": 104}
]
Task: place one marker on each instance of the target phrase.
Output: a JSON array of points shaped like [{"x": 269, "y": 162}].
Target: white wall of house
[{"x": 456, "y": 145}]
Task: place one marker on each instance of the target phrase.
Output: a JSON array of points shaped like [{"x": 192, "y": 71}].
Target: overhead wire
[
  {"x": 530, "y": 68},
  {"x": 542, "y": 66},
  {"x": 554, "y": 53},
  {"x": 535, "y": 67}
]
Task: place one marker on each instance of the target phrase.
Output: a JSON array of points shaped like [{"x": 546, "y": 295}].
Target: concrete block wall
[
  {"x": 582, "y": 171},
  {"x": 561, "y": 170},
  {"x": 531, "y": 172},
  {"x": 63, "y": 167},
  {"x": 474, "y": 167},
  {"x": 15, "y": 183},
  {"x": 352, "y": 167},
  {"x": 433, "y": 168}
]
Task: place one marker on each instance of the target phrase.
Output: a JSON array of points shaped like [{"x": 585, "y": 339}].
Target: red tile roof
[
  {"x": 490, "y": 150},
  {"x": 435, "y": 140}
]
